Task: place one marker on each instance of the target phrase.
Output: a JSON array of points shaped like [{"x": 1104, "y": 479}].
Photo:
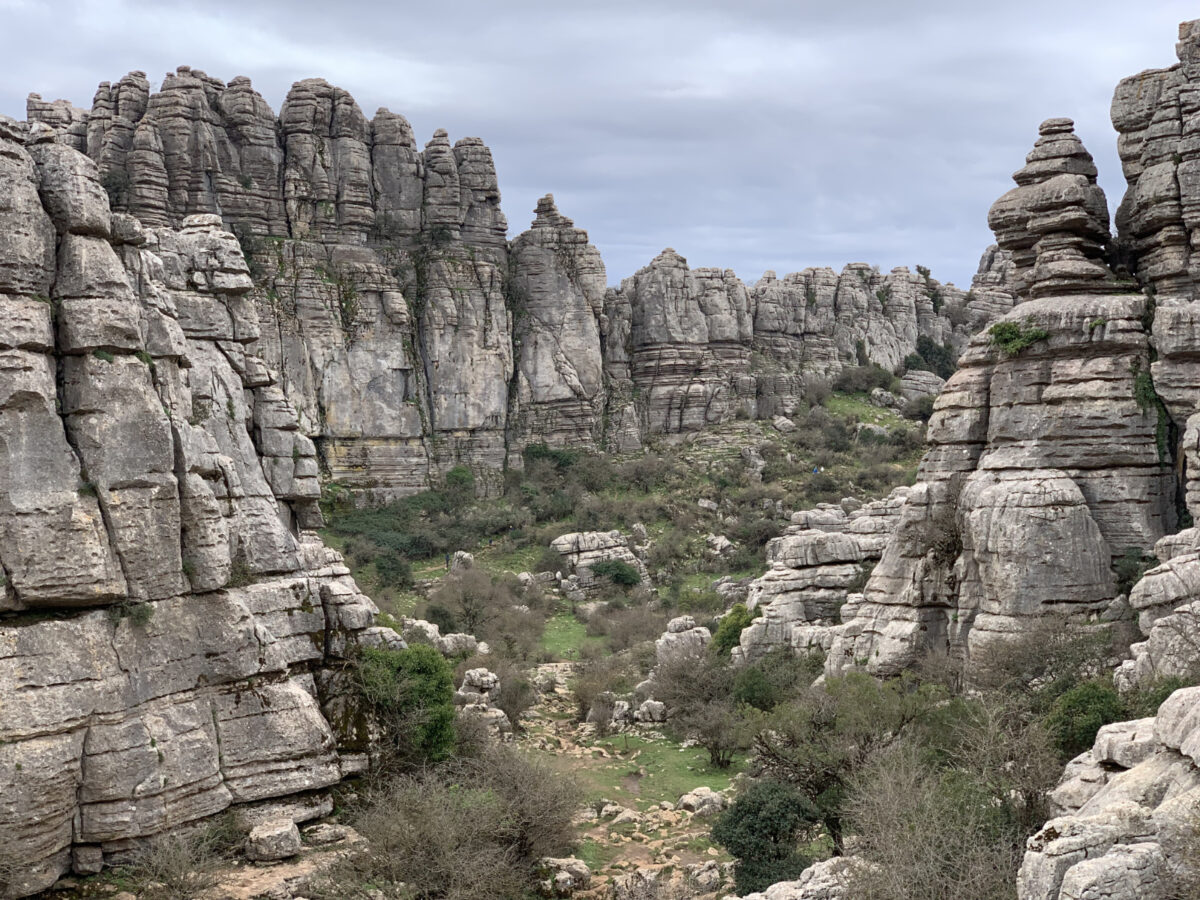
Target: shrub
[
  {"x": 927, "y": 834},
  {"x": 762, "y": 829},
  {"x": 411, "y": 693},
  {"x": 550, "y": 560},
  {"x": 771, "y": 679},
  {"x": 730, "y": 629},
  {"x": 1013, "y": 337},
  {"x": 825, "y": 737},
  {"x": 920, "y": 409},
  {"x": 1051, "y": 656},
  {"x": 1144, "y": 701},
  {"x": 606, "y": 675},
  {"x": 1079, "y": 713},
  {"x": 460, "y": 482},
  {"x": 461, "y": 832},
  {"x": 442, "y": 618},
  {"x": 931, "y": 356},
  {"x": 618, "y": 572},
  {"x": 625, "y": 628},
  {"x": 177, "y": 866},
  {"x": 1130, "y": 566},
  {"x": 394, "y": 571},
  {"x": 697, "y": 688},
  {"x": 491, "y": 609},
  {"x": 865, "y": 378}
]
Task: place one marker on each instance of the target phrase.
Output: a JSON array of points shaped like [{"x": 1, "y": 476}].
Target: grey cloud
[{"x": 748, "y": 135}]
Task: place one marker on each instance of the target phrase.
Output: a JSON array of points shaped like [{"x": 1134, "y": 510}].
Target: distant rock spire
[{"x": 1055, "y": 222}]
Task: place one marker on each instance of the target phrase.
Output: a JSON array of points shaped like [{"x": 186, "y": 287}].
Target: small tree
[
  {"x": 822, "y": 740},
  {"x": 730, "y": 629},
  {"x": 762, "y": 830},
  {"x": 411, "y": 694}
]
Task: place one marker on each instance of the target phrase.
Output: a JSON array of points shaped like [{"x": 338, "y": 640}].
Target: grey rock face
[
  {"x": 273, "y": 840},
  {"x": 408, "y": 334},
  {"x": 817, "y": 568},
  {"x": 1021, "y": 506},
  {"x": 583, "y": 550},
  {"x": 1125, "y": 810},
  {"x": 1055, "y": 222},
  {"x": 559, "y": 283},
  {"x": 154, "y": 487}
]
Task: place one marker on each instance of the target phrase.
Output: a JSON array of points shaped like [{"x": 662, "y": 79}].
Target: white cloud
[{"x": 752, "y": 135}]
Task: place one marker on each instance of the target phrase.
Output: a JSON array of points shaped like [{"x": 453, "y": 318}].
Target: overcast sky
[{"x": 754, "y": 135}]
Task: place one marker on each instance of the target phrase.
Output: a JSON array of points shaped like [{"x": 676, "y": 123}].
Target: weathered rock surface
[
  {"x": 582, "y": 551},
  {"x": 1049, "y": 455},
  {"x": 477, "y": 698},
  {"x": 409, "y": 335},
  {"x": 274, "y": 840},
  {"x": 816, "y": 569},
  {"x": 1126, "y": 812},
  {"x": 827, "y": 880},
  {"x": 167, "y": 619}
]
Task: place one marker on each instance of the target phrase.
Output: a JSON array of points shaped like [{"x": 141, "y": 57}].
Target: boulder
[{"x": 273, "y": 840}]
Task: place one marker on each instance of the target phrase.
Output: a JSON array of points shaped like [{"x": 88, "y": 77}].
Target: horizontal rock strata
[
  {"x": 411, "y": 337},
  {"x": 166, "y": 616}
]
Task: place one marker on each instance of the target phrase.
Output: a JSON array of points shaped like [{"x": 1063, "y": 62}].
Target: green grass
[
  {"x": 565, "y": 636},
  {"x": 860, "y": 407},
  {"x": 670, "y": 771},
  {"x": 595, "y": 855},
  {"x": 497, "y": 559}
]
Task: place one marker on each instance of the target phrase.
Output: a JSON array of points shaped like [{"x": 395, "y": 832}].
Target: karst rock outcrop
[
  {"x": 411, "y": 336},
  {"x": 169, "y": 623},
  {"x": 1050, "y": 451},
  {"x": 1127, "y": 809}
]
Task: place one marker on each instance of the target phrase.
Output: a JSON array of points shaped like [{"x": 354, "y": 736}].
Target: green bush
[
  {"x": 460, "y": 481},
  {"x": 1077, "y": 715},
  {"x": 864, "y": 379},
  {"x": 1013, "y": 337},
  {"x": 1130, "y": 566},
  {"x": 932, "y": 357},
  {"x": 411, "y": 692},
  {"x": 730, "y": 629},
  {"x": 618, "y": 572},
  {"x": 762, "y": 830},
  {"x": 1145, "y": 701},
  {"x": 394, "y": 571},
  {"x": 770, "y": 680},
  {"x": 467, "y": 830}
]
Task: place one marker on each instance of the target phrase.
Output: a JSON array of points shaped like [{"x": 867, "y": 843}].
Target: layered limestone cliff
[
  {"x": 1128, "y": 809},
  {"x": 1050, "y": 451},
  {"x": 1050, "y": 455},
  {"x": 168, "y": 626},
  {"x": 411, "y": 337}
]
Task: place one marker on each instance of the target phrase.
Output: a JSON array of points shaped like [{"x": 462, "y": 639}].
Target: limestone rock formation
[
  {"x": 477, "y": 698},
  {"x": 407, "y": 332},
  {"x": 168, "y": 621},
  {"x": 582, "y": 551},
  {"x": 826, "y": 880},
  {"x": 1050, "y": 452},
  {"x": 1127, "y": 809},
  {"x": 816, "y": 569},
  {"x": 683, "y": 638},
  {"x": 558, "y": 292}
]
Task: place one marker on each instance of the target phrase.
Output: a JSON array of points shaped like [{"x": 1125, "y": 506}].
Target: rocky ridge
[
  {"x": 411, "y": 336},
  {"x": 171, "y": 629},
  {"x": 1066, "y": 439}
]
